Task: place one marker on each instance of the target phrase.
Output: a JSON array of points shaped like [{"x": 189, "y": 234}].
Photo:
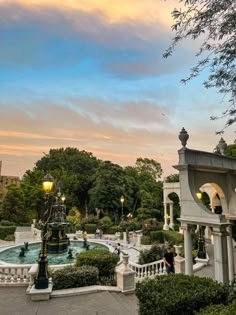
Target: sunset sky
[{"x": 90, "y": 74}]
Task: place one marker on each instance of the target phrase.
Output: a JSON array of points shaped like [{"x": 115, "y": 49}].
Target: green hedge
[
  {"x": 219, "y": 310},
  {"x": 113, "y": 229},
  {"x": 90, "y": 228},
  {"x": 72, "y": 277},
  {"x": 104, "y": 260},
  {"x": 178, "y": 294},
  {"x": 6, "y": 230},
  {"x": 145, "y": 240},
  {"x": 149, "y": 255},
  {"x": 171, "y": 236}
]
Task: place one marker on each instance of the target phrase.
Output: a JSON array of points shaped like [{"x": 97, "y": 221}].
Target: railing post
[{"x": 125, "y": 276}]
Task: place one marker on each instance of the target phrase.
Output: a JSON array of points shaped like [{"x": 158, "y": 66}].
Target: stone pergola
[{"x": 196, "y": 169}]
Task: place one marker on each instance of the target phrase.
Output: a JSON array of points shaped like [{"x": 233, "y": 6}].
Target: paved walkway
[{"x": 14, "y": 301}]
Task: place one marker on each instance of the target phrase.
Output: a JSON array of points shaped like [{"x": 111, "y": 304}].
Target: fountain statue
[
  {"x": 26, "y": 244},
  {"x": 22, "y": 252},
  {"x": 70, "y": 255}
]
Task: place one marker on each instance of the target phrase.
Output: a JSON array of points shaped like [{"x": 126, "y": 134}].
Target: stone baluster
[{"x": 172, "y": 226}]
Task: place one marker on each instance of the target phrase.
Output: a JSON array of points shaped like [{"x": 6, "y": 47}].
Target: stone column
[
  {"x": 220, "y": 253},
  {"x": 139, "y": 238},
  {"x": 125, "y": 276},
  {"x": 124, "y": 238},
  {"x": 165, "y": 226},
  {"x": 188, "y": 249},
  {"x": 230, "y": 253},
  {"x": 172, "y": 226}
]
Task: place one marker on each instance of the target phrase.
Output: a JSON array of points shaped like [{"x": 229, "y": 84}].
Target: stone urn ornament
[
  {"x": 183, "y": 137},
  {"x": 221, "y": 146}
]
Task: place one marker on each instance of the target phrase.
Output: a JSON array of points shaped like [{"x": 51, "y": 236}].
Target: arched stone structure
[{"x": 197, "y": 168}]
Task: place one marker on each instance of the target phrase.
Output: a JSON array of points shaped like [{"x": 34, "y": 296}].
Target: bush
[
  {"x": 219, "y": 310},
  {"x": 6, "y": 230},
  {"x": 6, "y": 223},
  {"x": 149, "y": 255},
  {"x": 157, "y": 236},
  {"x": 90, "y": 228},
  {"x": 72, "y": 277},
  {"x": 102, "y": 259},
  {"x": 10, "y": 238},
  {"x": 113, "y": 229},
  {"x": 178, "y": 294},
  {"x": 105, "y": 223},
  {"x": 145, "y": 240}
]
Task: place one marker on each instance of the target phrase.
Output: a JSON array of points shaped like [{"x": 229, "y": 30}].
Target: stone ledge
[
  {"x": 40, "y": 294},
  {"x": 83, "y": 290}
]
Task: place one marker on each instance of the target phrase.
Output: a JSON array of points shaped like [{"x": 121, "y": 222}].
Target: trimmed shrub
[
  {"x": 178, "y": 294},
  {"x": 90, "y": 228},
  {"x": 102, "y": 259},
  {"x": 72, "y": 277},
  {"x": 10, "y": 238},
  {"x": 219, "y": 310},
  {"x": 6, "y": 230},
  {"x": 145, "y": 240},
  {"x": 149, "y": 255},
  {"x": 157, "y": 236},
  {"x": 6, "y": 223},
  {"x": 105, "y": 223},
  {"x": 113, "y": 229}
]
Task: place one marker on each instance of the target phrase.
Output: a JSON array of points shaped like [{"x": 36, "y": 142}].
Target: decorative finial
[
  {"x": 221, "y": 146},
  {"x": 183, "y": 137}
]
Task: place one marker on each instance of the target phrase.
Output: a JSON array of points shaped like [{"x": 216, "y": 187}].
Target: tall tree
[
  {"x": 213, "y": 22},
  {"x": 13, "y": 205}
]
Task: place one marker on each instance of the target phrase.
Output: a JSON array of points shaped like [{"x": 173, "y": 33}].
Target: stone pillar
[
  {"x": 220, "y": 253},
  {"x": 139, "y": 238},
  {"x": 124, "y": 238},
  {"x": 125, "y": 276},
  {"x": 165, "y": 226},
  {"x": 172, "y": 226},
  {"x": 188, "y": 249},
  {"x": 230, "y": 253}
]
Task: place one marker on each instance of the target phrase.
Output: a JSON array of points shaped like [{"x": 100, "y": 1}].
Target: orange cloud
[{"x": 111, "y": 11}]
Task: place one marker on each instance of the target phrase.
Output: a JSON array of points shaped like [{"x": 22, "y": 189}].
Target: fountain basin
[{"x": 11, "y": 255}]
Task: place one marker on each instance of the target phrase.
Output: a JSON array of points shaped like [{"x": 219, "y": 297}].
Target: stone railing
[
  {"x": 148, "y": 270},
  {"x": 14, "y": 275}
]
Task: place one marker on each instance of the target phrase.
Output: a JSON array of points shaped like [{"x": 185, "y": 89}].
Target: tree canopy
[{"x": 214, "y": 22}]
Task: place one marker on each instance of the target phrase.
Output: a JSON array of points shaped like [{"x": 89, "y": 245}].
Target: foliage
[
  {"x": 90, "y": 228},
  {"x": 230, "y": 150},
  {"x": 6, "y": 223},
  {"x": 13, "y": 205},
  {"x": 74, "y": 216},
  {"x": 73, "y": 170},
  {"x": 102, "y": 259},
  {"x": 149, "y": 255},
  {"x": 172, "y": 178},
  {"x": 178, "y": 294},
  {"x": 6, "y": 230},
  {"x": 105, "y": 223},
  {"x": 113, "y": 229},
  {"x": 172, "y": 237},
  {"x": 145, "y": 240},
  {"x": 214, "y": 22},
  {"x": 72, "y": 277},
  {"x": 10, "y": 238},
  {"x": 219, "y": 309}
]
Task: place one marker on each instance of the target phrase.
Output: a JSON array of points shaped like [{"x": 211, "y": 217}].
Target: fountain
[{"x": 57, "y": 240}]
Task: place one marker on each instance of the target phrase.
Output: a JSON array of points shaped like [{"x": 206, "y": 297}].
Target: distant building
[{"x": 5, "y": 182}]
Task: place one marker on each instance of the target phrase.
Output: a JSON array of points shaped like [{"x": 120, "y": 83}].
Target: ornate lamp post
[
  {"x": 122, "y": 200},
  {"x": 41, "y": 281}
]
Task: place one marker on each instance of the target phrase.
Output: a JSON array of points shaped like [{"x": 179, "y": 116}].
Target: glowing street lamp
[{"x": 41, "y": 281}]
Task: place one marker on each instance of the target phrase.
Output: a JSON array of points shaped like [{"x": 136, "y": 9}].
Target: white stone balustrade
[
  {"x": 14, "y": 275},
  {"x": 148, "y": 270}
]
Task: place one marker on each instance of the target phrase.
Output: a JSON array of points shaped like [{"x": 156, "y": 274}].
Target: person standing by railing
[{"x": 169, "y": 260}]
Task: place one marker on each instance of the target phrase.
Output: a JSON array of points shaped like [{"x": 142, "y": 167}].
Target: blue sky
[{"x": 90, "y": 74}]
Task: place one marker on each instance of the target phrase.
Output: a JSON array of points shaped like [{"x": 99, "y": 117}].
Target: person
[
  {"x": 169, "y": 260},
  {"x": 97, "y": 233},
  {"x": 117, "y": 249}
]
